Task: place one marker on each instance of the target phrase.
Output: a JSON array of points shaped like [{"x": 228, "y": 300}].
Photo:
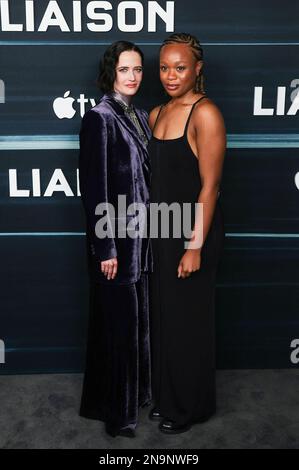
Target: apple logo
[
  {"x": 297, "y": 180},
  {"x": 63, "y": 107}
]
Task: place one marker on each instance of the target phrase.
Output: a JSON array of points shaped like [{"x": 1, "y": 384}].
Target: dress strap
[
  {"x": 157, "y": 117},
  {"x": 193, "y": 106}
]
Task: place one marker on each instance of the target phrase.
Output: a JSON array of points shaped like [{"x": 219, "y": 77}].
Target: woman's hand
[
  {"x": 189, "y": 263},
  {"x": 109, "y": 268}
]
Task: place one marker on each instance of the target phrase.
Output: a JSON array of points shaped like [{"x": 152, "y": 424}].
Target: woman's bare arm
[{"x": 211, "y": 145}]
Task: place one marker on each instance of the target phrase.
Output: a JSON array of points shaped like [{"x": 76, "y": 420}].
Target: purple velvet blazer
[{"x": 114, "y": 160}]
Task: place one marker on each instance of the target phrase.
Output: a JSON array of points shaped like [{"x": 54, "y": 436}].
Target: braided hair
[{"x": 193, "y": 42}]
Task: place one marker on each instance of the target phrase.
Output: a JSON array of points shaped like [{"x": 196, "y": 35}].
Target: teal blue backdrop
[{"x": 48, "y": 67}]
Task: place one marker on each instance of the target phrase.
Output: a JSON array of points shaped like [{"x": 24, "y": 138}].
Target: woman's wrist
[{"x": 195, "y": 251}]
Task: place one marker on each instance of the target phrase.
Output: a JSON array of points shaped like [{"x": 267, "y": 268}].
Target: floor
[{"x": 256, "y": 409}]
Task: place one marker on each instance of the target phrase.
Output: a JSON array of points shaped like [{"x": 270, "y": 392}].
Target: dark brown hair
[{"x": 108, "y": 63}]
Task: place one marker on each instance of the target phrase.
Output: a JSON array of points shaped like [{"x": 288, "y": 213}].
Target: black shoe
[
  {"x": 125, "y": 432},
  {"x": 155, "y": 415},
  {"x": 171, "y": 427}
]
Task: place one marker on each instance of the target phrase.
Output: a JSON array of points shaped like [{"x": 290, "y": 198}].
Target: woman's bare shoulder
[
  {"x": 207, "y": 107},
  {"x": 208, "y": 111}
]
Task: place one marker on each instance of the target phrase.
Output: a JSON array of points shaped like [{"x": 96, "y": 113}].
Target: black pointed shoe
[
  {"x": 124, "y": 432},
  {"x": 127, "y": 432},
  {"x": 171, "y": 427},
  {"x": 155, "y": 415}
]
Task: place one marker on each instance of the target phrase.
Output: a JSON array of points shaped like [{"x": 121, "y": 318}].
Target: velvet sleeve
[{"x": 93, "y": 179}]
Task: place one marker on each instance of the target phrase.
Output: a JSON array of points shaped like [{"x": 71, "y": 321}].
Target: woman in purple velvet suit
[{"x": 114, "y": 162}]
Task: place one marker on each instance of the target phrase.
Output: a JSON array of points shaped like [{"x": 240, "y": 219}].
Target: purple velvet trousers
[{"x": 117, "y": 372}]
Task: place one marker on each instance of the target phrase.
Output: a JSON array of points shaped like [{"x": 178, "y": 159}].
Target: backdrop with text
[{"x": 49, "y": 55}]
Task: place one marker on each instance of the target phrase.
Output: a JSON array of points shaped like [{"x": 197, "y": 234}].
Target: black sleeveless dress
[{"x": 182, "y": 310}]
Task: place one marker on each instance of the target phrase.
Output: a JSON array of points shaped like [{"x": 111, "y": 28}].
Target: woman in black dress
[
  {"x": 114, "y": 162},
  {"x": 187, "y": 152}
]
